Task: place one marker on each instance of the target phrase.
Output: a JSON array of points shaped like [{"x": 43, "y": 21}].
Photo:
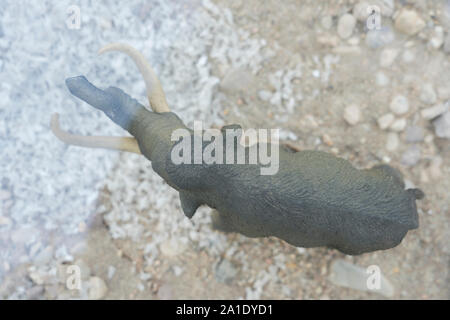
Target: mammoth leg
[{"x": 221, "y": 223}]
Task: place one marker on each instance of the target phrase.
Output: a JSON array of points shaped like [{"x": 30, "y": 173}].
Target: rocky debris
[
  {"x": 392, "y": 141},
  {"x": 44, "y": 256},
  {"x": 399, "y": 105},
  {"x": 398, "y": 125},
  {"x": 85, "y": 270},
  {"x": 437, "y": 38},
  {"x": 379, "y": 38},
  {"x": 326, "y": 22},
  {"x": 35, "y": 292},
  {"x": 352, "y": 114},
  {"x": 62, "y": 255},
  {"x": 435, "y": 168},
  {"x": 171, "y": 247},
  {"x": 442, "y": 125},
  {"x": 387, "y": 57},
  {"x": 346, "y": 274},
  {"x": 237, "y": 80},
  {"x": 408, "y": 56},
  {"x": 409, "y": 22},
  {"x": 97, "y": 288},
  {"x": 5, "y": 221},
  {"x": 414, "y": 134},
  {"x": 381, "y": 79},
  {"x": 346, "y": 24},
  {"x": 411, "y": 156},
  {"x": 447, "y": 43},
  {"x": 444, "y": 92},
  {"x": 24, "y": 235},
  {"x": 385, "y": 121},
  {"x": 428, "y": 95},
  {"x": 225, "y": 271},
  {"x": 434, "y": 111},
  {"x": 264, "y": 95},
  {"x": 165, "y": 292},
  {"x": 111, "y": 272}
]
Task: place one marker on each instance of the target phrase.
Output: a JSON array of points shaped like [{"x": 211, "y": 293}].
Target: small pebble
[
  {"x": 447, "y": 43},
  {"x": 5, "y": 221},
  {"x": 408, "y": 56},
  {"x": 434, "y": 111},
  {"x": 437, "y": 38},
  {"x": 409, "y": 22},
  {"x": 111, "y": 272},
  {"x": 385, "y": 121},
  {"x": 428, "y": 95},
  {"x": 346, "y": 24},
  {"x": 387, "y": 57},
  {"x": 352, "y": 114},
  {"x": 414, "y": 134},
  {"x": 225, "y": 271},
  {"x": 381, "y": 79},
  {"x": 398, "y": 125},
  {"x": 264, "y": 95},
  {"x": 360, "y": 11},
  {"x": 411, "y": 156},
  {"x": 442, "y": 125},
  {"x": 97, "y": 288},
  {"x": 327, "y": 22},
  {"x": 399, "y": 105},
  {"x": 379, "y": 38},
  {"x": 444, "y": 92},
  {"x": 392, "y": 141},
  {"x": 171, "y": 247},
  {"x": 435, "y": 168}
]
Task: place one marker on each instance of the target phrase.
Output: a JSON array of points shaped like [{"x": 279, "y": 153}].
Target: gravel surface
[{"x": 318, "y": 70}]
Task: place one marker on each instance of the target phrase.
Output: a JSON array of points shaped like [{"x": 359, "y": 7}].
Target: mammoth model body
[{"x": 314, "y": 199}]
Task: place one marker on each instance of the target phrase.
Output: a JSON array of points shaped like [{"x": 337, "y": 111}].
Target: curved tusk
[
  {"x": 155, "y": 92},
  {"x": 128, "y": 144}
]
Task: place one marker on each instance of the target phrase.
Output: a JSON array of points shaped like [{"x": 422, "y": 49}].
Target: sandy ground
[{"x": 137, "y": 244}]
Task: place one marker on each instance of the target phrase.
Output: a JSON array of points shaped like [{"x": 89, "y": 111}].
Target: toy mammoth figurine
[{"x": 314, "y": 199}]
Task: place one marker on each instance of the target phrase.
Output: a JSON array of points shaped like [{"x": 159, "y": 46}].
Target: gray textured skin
[{"x": 314, "y": 200}]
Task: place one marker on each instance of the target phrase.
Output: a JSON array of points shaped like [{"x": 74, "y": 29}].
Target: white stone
[
  {"x": 444, "y": 92},
  {"x": 408, "y": 56},
  {"x": 385, "y": 121},
  {"x": 327, "y": 22},
  {"x": 442, "y": 126},
  {"x": 381, "y": 79},
  {"x": 399, "y": 104},
  {"x": 346, "y": 24},
  {"x": 434, "y": 111},
  {"x": 428, "y": 95},
  {"x": 97, "y": 288},
  {"x": 437, "y": 38},
  {"x": 352, "y": 114},
  {"x": 264, "y": 95},
  {"x": 398, "y": 125},
  {"x": 392, "y": 141},
  {"x": 387, "y": 57},
  {"x": 409, "y": 22}
]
